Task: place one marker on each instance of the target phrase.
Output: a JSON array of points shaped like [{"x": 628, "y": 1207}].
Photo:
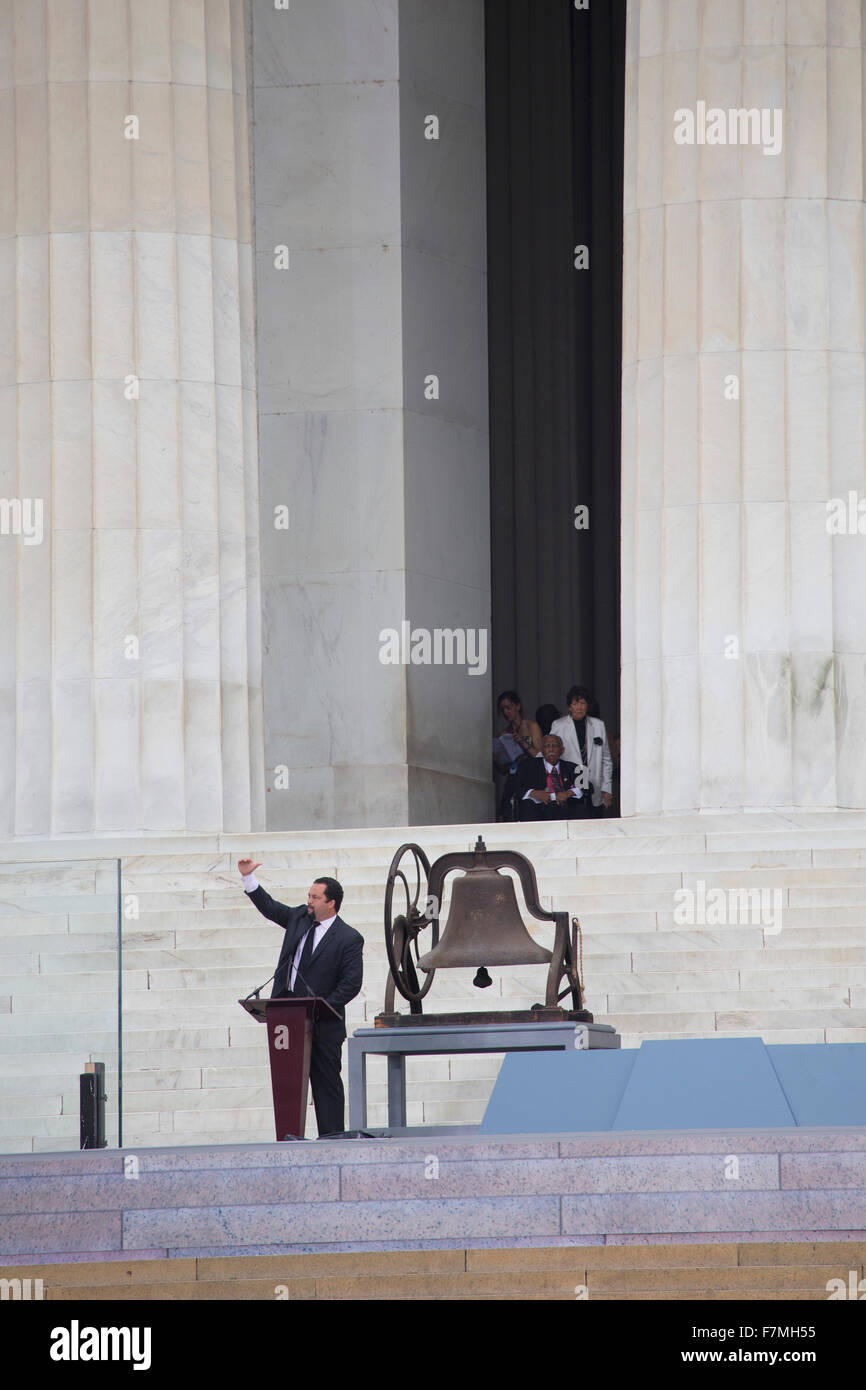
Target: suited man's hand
[
  {"x": 543, "y": 797},
  {"x": 562, "y": 796},
  {"x": 246, "y": 866},
  {"x": 607, "y": 798}
]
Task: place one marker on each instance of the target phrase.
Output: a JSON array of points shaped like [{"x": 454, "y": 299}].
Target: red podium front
[{"x": 290, "y": 1037}]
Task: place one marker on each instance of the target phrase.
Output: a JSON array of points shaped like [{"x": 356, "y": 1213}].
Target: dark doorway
[{"x": 555, "y": 90}]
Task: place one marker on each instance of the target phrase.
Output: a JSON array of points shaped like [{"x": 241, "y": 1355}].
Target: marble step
[
  {"x": 770, "y": 1036},
  {"x": 135, "y": 934},
  {"x": 607, "y": 933},
  {"x": 65, "y": 991},
  {"x": 627, "y": 941},
  {"x": 769, "y": 971},
  {"x": 791, "y": 919},
  {"x": 707, "y": 1023},
  {"x": 794, "y": 1000},
  {"x": 236, "y": 957},
  {"x": 695, "y": 861},
  {"x": 86, "y": 1039},
  {"x": 14, "y": 923},
  {"x": 198, "y": 993},
  {"x": 593, "y": 876},
  {"x": 157, "y": 879},
  {"x": 803, "y": 937},
  {"x": 237, "y": 1065},
  {"x": 730, "y": 981},
  {"x": 777, "y": 954},
  {"x": 605, "y": 911}
]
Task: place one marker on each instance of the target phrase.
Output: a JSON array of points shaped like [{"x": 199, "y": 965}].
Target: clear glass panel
[
  {"x": 58, "y": 998},
  {"x": 195, "y": 1065}
]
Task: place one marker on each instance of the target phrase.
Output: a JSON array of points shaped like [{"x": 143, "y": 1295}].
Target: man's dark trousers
[{"x": 327, "y": 1085}]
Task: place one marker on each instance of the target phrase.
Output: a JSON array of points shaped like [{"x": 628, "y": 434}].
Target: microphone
[{"x": 254, "y": 994}]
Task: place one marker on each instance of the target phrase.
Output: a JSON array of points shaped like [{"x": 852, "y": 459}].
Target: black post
[{"x": 92, "y": 1106}]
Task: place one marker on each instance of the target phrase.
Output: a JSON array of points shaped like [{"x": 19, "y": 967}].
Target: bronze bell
[{"x": 484, "y": 924}]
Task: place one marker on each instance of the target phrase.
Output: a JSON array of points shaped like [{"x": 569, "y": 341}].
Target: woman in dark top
[{"x": 520, "y": 738}]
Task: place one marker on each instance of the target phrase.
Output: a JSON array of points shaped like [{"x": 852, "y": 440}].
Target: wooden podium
[{"x": 290, "y": 1037}]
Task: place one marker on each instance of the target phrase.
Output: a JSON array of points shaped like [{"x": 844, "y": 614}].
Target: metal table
[{"x": 431, "y": 1039}]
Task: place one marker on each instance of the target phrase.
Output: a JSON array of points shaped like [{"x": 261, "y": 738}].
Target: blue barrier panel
[
  {"x": 825, "y": 1083},
  {"x": 694, "y": 1083},
  {"x": 557, "y": 1092},
  {"x": 703, "y": 1083}
]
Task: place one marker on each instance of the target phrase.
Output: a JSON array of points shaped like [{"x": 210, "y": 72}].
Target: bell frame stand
[
  {"x": 402, "y": 934},
  {"x": 544, "y": 1027}
]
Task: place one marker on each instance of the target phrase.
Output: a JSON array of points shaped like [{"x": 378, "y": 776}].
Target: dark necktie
[
  {"x": 554, "y": 781},
  {"x": 303, "y": 963}
]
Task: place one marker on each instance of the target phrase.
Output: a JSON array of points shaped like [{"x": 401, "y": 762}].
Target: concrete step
[
  {"x": 231, "y": 1199},
  {"x": 704, "y": 1271}
]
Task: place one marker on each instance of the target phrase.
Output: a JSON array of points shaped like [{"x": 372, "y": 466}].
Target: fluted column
[
  {"x": 130, "y": 687},
  {"x": 744, "y": 395}
]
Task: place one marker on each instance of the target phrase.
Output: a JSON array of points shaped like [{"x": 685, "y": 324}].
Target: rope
[{"x": 578, "y": 944}]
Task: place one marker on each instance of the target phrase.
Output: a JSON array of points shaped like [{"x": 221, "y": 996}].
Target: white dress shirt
[{"x": 318, "y": 929}]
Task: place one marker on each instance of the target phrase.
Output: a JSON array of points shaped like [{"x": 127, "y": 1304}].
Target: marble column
[
  {"x": 370, "y": 269},
  {"x": 744, "y": 627},
  {"x": 130, "y": 686}
]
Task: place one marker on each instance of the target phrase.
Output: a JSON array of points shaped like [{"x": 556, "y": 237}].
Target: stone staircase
[{"x": 673, "y": 946}]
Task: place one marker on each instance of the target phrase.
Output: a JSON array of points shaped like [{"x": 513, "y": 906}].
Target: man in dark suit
[
  {"x": 547, "y": 787},
  {"x": 321, "y": 955}
]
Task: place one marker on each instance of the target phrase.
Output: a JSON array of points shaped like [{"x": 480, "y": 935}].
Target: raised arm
[{"x": 267, "y": 906}]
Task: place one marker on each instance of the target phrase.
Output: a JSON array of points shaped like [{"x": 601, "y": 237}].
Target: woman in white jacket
[{"x": 585, "y": 742}]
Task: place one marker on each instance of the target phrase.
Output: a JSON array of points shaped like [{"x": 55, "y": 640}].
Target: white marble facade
[
  {"x": 744, "y": 408},
  {"x": 130, "y": 685},
  {"x": 385, "y": 487},
  {"x": 155, "y": 674}
]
